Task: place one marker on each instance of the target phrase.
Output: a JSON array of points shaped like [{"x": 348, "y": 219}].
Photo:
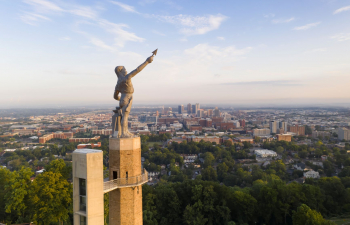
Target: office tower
[
  {"x": 198, "y": 106},
  {"x": 200, "y": 113},
  {"x": 194, "y": 109},
  {"x": 210, "y": 112},
  {"x": 283, "y": 126},
  {"x": 181, "y": 109},
  {"x": 273, "y": 127},
  {"x": 216, "y": 112},
  {"x": 189, "y": 108},
  {"x": 343, "y": 134},
  {"x": 242, "y": 122}
]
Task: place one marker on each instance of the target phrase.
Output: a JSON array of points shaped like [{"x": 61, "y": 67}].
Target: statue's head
[{"x": 120, "y": 71}]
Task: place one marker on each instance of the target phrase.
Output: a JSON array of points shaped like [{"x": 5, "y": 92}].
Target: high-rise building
[
  {"x": 200, "y": 113},
  {"x": 273, "y": 127},
  {"x": 189, "y": 108},
  {"x": 216, "y": 112},
  {"x": 283, "y": 126},
  {"x": 242, "y": 122},
  {"x": 181, "y": 109},
  {"x": 343, "y": 134},
  {"x": 194, "y": 109},
  {"x": 198, "y": 106},
  {"x": 210, "y": 112}
]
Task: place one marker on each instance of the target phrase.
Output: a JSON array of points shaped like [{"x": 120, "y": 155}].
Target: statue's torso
[{"x": 124, "y": 85}]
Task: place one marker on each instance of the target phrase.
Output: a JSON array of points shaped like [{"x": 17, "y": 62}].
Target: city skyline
[{"x": 59, "y": 53}]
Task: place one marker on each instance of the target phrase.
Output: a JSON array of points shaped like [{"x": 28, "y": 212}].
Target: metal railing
[{"x": 125, "y": 182}]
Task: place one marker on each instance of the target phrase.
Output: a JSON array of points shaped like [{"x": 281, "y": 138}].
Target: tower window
[
  {"x": 82, "y": 220},
  {"x": 82, "y": 195}
]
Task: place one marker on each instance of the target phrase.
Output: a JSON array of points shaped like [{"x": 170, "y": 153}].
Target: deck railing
[{"x": 125, "y": 182}]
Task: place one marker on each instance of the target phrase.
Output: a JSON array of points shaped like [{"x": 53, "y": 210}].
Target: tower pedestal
[{"x": 125, "y": 204}]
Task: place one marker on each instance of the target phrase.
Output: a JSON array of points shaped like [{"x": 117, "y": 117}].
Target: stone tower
[{"x": 125, "y": 202}]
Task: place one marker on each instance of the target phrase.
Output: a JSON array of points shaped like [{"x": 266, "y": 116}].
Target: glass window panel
[
  {"x": 82, "y": 203},
  {"x": 82, "y": 220},
  {"x": 82, "y": 186}
]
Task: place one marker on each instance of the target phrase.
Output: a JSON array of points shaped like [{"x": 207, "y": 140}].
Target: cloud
[
  {"x": 46, "y": 8},
  {"x": 119, "y": 32},
  {"x": 32, "y": 18},
  {"x": 65, "y": 39},
  {"x": 341, "y": 37},
  {"x": 99, "y": 43},
  {"x": 84, "y": 11},
  {"x": 159, "y": 33},
  {"x": 267, "y": 82},
  {"x": 205, "y": 55},
  {"x": 346, "y": 8},
  {"x": 42, "y": 5},
  {"x": 125, "y": 7},
  {"x": 120, "y": 35},
  {"x": 221, "y": 38},
  {"x": 307, "y": 26},
  {"x": 277, "y": 21},
  {"x": 194, "y": 25}
]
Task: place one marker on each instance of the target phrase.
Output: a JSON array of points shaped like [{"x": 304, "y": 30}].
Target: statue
[{"x": 125, "y": 87}]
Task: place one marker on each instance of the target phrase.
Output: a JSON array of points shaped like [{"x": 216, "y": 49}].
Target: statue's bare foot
[{"x": 127, "y": 134}]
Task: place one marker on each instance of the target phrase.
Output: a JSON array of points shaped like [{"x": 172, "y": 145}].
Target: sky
[{"x": 63, "y": 52}]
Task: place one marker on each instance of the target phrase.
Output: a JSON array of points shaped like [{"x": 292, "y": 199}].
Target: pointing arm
[{"x": 139, "y": 68}]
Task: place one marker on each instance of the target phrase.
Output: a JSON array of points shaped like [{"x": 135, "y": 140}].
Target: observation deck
[{"x": 125, "y": 182}]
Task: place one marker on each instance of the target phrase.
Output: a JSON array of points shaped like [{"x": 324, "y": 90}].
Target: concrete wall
[{"x": 88, "y": 164}]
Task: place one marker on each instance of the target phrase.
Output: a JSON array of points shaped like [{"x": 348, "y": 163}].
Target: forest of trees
[
  {"x": 225, "y": 193},
  {"x": 265, "y": 202}
]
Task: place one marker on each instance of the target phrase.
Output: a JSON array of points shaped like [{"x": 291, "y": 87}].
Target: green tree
[
  {"x": 279, "y": 150},
  {"x": 222, "y": 169},
  {"x": 19, "y": 191},
  {"x": 208, "y": 159},
  {"x": 59, "y": 166},
  {"x": 244, "y": 207},
  {"x": 52, "y": 198},
  {"x": 209, "y": 174},
  {"x": 306, "y": 216},
  {"x": 5, "y": 175}
]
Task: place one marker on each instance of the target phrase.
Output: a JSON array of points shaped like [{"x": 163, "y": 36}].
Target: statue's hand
[{"x": 150, "y": 59}]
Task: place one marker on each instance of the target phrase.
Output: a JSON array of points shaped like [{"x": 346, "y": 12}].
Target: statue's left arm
[{"x": 140, "y": 67}]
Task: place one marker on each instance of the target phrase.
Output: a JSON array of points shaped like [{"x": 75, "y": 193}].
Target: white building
[
  {"x": 177, "y": 126},
  {"x": 263, "y": 153},
  {"x": 312, "y": 174},
  {"x": 343, "y": 134},
  {"x": 189, "y": 158},
  {"x": 261, "y": 132}
]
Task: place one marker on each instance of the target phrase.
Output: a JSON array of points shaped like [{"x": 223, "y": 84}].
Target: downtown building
[
  {"x": 344, "y": 134},
  {"x": 261, "y": 132}
]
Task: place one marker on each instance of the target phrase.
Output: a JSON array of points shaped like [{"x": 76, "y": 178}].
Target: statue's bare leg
[{"x": 125, "y": 128}]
